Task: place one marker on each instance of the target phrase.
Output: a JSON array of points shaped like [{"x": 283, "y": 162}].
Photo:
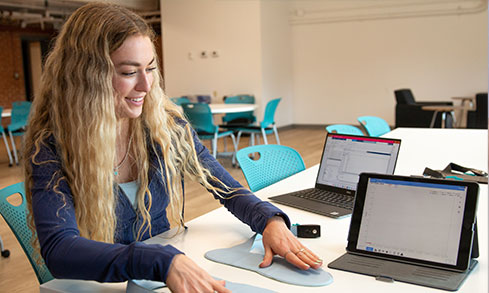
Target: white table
[
  {"x": 420, "y": 148},
  {"x": 231, "y": 108},
  {"x": 6, "y": 113}
]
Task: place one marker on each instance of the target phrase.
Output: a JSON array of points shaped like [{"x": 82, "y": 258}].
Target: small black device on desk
[{"x": 306, "y": 231}]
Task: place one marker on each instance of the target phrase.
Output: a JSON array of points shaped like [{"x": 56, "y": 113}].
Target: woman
[{"x": 106, "y": 153}]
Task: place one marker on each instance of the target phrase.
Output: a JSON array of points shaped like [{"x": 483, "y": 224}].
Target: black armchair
[
  {"x": 409, "y": 113},
  {"x": 478, "y": 117}
]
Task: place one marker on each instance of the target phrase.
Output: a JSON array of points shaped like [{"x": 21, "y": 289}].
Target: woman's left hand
[{"x": 277, "y": 239}]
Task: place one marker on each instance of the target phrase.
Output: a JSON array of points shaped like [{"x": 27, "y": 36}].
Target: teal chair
[
  {"x": 200, "y": 117},
  {"x": 374, "y": 126},
  {"x": 4, "y": 136},
  {"x": 263, "y": 165},
  {"x": 265, "y": 127},
  {"x": 344, "y": 129},
  {"x": 180, "y": 100},
  {"x": 241, "y": 117},
  {"x": 16, "y": 218},
  {"x": 18, "y": 122}
]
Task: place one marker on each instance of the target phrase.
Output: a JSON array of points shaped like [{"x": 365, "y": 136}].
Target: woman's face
[{"x": 134, "y": 62}]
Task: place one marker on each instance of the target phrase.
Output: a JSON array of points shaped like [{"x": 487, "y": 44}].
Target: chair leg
[
  {"x": 214, "y": 146},
  {"x": 264, "y": 136},
  {"x": 239, "y": 136},
  {"x": 252, "y": 139},
  {"x": 235, "y": 149},
  {"x": 276, "y": 133},
  {"x": 14, "y": 148},
  {"x": 11, "y": 161}
]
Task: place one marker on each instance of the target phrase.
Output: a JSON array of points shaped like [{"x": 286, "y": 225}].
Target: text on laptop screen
[
  {"x": 345, "y": 157},
  {"x": 412, "y": 219}
]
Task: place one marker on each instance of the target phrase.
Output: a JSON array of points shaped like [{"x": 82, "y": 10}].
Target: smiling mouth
[{"x": 136, "y": 99}]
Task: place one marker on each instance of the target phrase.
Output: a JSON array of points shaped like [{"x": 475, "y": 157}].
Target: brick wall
[{"x": 12, "y": 74}]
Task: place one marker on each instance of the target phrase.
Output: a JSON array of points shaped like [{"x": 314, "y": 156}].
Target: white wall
[
  {"x": 343, "y": 70},
  {"x": 231, "y": 28},
  {"x": 277, "y": 75},
  {"x": 325, "y": 72}
]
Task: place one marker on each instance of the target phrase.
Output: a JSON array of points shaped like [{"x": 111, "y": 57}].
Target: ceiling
[{"x": 52, "y": 13}]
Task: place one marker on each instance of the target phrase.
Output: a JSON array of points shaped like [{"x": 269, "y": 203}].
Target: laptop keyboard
[{"x": 327, "y": 197}]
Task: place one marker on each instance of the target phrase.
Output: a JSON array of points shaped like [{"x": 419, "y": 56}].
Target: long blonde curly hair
[{"x": 76, "y": 107}]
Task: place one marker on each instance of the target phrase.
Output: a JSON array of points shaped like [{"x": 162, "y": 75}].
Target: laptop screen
[
  {"x": 418, "y": 220},
  {"x": 413, "y": 219},
  {"x": 346, "y": 156}
]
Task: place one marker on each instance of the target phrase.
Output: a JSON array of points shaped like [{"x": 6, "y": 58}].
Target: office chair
[
  {"x": 263, "y": 165},
  {"x": 200, "y": 117},
  {"x": 242, "y": 117},
  {"x": 4, "y": 135},
  {"x": 264, "y": 126},
  {"x": 374, "y": 126},
  {"x": 410, "y": 113},
  {"x": 16, "y": 218},
  {"x": 180, "y": 100},
  {"x": 18, "y": 122},
  {"x": 344, "y": 129}
]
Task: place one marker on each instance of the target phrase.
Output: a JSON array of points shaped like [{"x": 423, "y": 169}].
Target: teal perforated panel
[
  {"x": 274, "y": 163},
  {"x": 16, "y": 218}
]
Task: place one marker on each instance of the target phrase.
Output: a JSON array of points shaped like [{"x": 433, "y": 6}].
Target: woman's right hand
[{"x": 186, "y": 276}]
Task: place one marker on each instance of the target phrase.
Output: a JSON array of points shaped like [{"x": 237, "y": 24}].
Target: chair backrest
[
  {"x": 246, "y": 117},
  {"x": 20, "y": 115},
  {"x": 2, "y": 130},
  {"x": 269, "y": 116},
  {"x": 200, "y": 116},
  {"x": 344, "y": 129},
  {"x": 16, "y": 218},
  {"x": 270, "y": 163},
  {"x": 374, "y": 126},
  {"x": 404, "y": 96},
  {"x": 180, "y": 100}
]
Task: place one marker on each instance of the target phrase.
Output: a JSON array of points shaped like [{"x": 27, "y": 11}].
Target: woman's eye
[
  {"x": 151, "y": 69},
  {"x": 128, "y": 73}
]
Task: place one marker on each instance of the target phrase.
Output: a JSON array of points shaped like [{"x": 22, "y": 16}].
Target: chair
[
  {"x": 409, "y": 113},
  {"x": 242, "y": 117},
  {"x": 180, "y": 100},
  {"x": 18, "y": 122},
  {"x": 374, "y": 126},
  {"x": 344, "y": 129},
  {"x": 201, "y": 119},
  {"x": 4, "y": 135},
  {"x": 264, "y": 126},
  {"x": 263, "y": 165},
  {"x": 16, "y": 218},
  {"x": 478, "y": 117}
]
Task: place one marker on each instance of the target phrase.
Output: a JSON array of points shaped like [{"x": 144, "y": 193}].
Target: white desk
[
  {"x": 420, "y": 148},
  {"x": 6, "y": 113},
  {"x": 231, "y": 108}
]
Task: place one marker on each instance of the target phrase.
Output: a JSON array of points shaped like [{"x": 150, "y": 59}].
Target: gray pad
[
  {"x": 249, "y": 255},
  {"x": 145, "y": 286}
]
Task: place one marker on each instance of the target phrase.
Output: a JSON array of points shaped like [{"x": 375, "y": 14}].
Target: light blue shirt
[{"x": 130, "y": 190}]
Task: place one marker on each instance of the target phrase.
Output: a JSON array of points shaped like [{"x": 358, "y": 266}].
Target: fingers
[
  {"x": 303, "y": 258},
  {"x": 219, "y": 286},
  {"x": 267, "y": 259}
]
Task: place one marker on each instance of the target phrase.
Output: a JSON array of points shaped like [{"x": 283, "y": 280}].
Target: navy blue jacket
[{"x": 70, "y": 256}]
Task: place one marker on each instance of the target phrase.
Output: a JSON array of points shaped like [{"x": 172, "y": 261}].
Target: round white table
[{"x": 231, "y": 108}]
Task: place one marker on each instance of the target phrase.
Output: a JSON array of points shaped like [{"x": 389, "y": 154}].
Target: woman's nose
[{"x": 144, "y": 82}]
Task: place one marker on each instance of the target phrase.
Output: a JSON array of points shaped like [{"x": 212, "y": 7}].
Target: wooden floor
[{"x": 16, "y": 274}]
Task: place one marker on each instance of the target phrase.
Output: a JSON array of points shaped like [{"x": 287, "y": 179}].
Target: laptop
[
  {"x": 411, "y": 229},
  {"x": 344, "y": 158}
]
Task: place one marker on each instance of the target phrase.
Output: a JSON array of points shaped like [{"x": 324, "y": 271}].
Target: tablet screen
[{"x": 420, "y": 220}]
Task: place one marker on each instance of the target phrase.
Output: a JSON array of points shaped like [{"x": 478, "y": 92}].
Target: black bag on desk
[{"x": 457, "y": 172}]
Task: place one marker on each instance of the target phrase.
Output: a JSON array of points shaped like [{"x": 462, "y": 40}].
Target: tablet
[{"x": 420, "y": 221}]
